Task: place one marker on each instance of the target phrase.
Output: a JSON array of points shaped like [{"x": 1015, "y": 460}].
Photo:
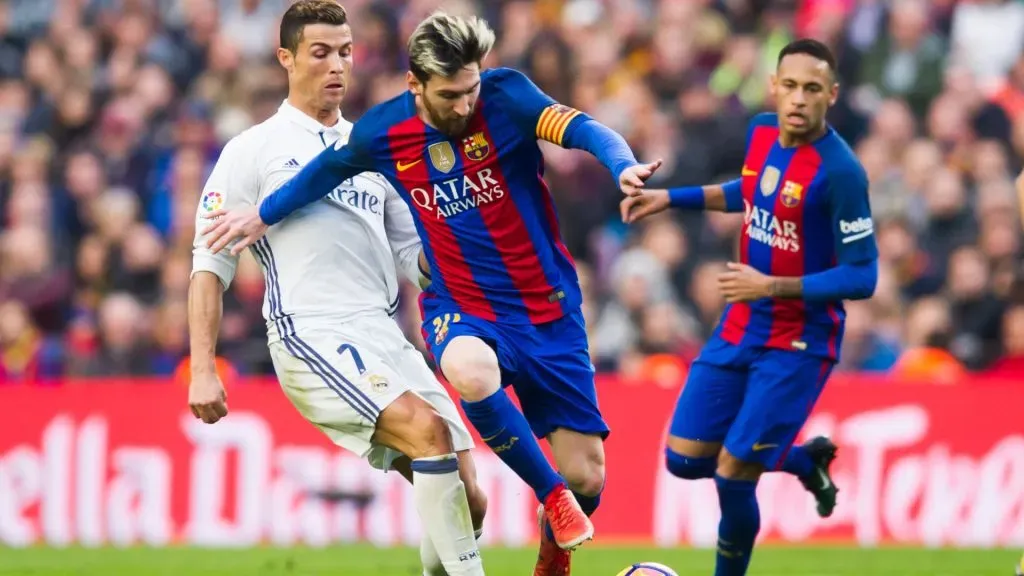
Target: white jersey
[{"x": 328, "y": 262}]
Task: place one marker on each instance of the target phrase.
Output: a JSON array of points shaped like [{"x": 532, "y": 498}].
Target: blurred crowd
[{"x": 112, "y": 113}]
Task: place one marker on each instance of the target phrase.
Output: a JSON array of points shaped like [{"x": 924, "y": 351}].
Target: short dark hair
[
  {"x": 306, "y": 12},
  {"x": 812, "y": 48}
]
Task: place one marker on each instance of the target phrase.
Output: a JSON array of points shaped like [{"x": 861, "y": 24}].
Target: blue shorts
[
  {"x": 754, "y": 400},
  {"x": 548, "y": 365}
]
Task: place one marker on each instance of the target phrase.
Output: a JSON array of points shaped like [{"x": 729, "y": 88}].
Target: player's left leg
[
  {"x": 432, "y": 565},
  {"x": 781, "y": 391},
  {"x": 557, "y": 393},
  {"x": 409, "y": 363}
]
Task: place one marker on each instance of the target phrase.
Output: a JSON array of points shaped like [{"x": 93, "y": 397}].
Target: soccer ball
[{"x": 648, "y": 569}]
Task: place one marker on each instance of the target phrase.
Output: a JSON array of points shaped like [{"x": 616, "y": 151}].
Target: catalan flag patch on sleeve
[{"x": 553, "y": 121}]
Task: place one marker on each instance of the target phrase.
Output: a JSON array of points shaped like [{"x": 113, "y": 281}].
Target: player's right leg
[
  {"x": 706, "y": 407},
  {"x": 354, "y": 398},
  {"x": 474, "y": 359}
]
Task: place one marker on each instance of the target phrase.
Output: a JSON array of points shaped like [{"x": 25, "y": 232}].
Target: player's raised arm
[
  {"x": 231, "y": 185},
  {"x": 725, "y": 197},
  {"x": 538, "y": 114}
]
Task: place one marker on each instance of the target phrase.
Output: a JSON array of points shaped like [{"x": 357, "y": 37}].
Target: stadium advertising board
[{"x": 125, "y": 463}]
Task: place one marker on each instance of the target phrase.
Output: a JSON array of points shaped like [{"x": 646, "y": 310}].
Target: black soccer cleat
[{"x": 822, "y": 451}]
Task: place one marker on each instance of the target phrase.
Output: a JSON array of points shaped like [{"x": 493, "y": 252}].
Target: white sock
[
  {"x": 444, "y": 511},
  {"x": 428, "y": 556}
]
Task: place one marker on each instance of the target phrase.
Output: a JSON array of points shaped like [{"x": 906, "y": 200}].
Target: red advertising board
[{"x": 100, "y": 463}]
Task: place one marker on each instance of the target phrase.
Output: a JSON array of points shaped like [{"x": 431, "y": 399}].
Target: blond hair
[{"x": 444, "y": 44}]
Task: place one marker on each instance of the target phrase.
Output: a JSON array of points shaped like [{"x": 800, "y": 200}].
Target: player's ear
[
  {"x": 414, "y": 83},
  {"x": 286, "y": 59},
  {"x": 834, "y": 94},
  {"x": 773, "y": 84}
]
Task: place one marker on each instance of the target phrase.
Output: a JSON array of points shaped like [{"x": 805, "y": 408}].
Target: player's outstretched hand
[
  {"x": 243, "y": 225},
  {"x": 741, "y": 283},
  {"x": 632, "y": 179},
  {"x": 207, "y": 398},
  {"x": 644, "y": 204}
]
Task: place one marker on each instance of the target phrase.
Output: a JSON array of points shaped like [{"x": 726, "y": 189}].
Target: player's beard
[{"x": 453, "y": 126}]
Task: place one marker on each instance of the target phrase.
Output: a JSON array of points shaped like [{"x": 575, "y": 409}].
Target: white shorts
[{"x": 341, "y": 379}]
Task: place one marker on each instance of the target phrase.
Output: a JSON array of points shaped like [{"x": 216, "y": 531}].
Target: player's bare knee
[
  {"x": 412, "y": 426},
  {"x": 433, "y": 438},
  {"x": 585, "y": 472},
  {"x": 729, "y": 466},
  {"x": 471, "y": 366},
  {"x": 693, "y": 448},
  {"x": 586, "y": 480}
]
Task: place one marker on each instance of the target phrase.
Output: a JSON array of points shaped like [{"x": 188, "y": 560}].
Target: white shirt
[{"x": 327, "y": 262}]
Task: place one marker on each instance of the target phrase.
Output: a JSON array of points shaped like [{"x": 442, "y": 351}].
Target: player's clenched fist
[
  {"x": 207, "y": 398},
  {"x": 243, "y": 225},
  {"x": 742, "y": 283},
  {"x": 645, "y": 203}
]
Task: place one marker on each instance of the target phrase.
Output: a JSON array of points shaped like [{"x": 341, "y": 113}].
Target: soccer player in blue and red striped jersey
[
  {"x": 807, "y": 244},
  {"x": 503, "y": 308}
]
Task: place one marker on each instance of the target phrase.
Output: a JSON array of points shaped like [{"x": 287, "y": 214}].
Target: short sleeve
[
  {"x": 533, "y": 111},
  {"x": 233, "y": 183},
  {"x": 850, "y": 209}
]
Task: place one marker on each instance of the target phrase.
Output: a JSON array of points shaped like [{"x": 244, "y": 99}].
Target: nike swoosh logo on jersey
[
  {"x": 403, "y": 167},
  {"x": 758, "y": 446},
  {"x": 748, "y": 172}
]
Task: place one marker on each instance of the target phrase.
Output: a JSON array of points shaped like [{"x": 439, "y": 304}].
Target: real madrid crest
[
  {"x": 769, "y": 180},
  {"x": 476, "y": 146},
  {"x": 442, "y": 156},
  {"x": 378, "y": 383}
]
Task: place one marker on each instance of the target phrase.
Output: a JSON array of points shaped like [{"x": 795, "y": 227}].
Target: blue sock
[
  {"x": 504, "y": 428},
  {"x": 798, "y": 462},
  {"x": 690, "y": 468},
  {"x": 741, "y": 520}
]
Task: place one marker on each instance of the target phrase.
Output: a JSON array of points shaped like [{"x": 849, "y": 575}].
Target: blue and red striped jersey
[
  {"x": 806, "y": 210},
  {"x": 486, "y": 217}
]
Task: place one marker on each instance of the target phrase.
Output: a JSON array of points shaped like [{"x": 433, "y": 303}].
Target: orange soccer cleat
[
  {"x": 569, "y": 525},
  {"x": 551, "y": 560}
]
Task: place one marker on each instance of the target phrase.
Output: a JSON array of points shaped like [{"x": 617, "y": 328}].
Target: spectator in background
[
  {"x": 1011, "y": 364},
  {"x": 26, "y": 355},
  {"x": 865, "y": 348},
  {"x": 928, "y": 335}
]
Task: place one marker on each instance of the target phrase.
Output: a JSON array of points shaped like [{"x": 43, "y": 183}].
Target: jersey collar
[{"x": 295, "y": 115}]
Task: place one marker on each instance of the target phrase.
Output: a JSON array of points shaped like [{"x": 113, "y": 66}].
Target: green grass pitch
[{"x": 593, "y": 561}]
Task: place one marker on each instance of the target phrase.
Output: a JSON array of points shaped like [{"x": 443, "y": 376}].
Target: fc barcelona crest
[
  {"x": 442, "y": 156},
  {"x": 476, "y": 146},
  {"x": 769, "y": 180},
  {"x": 791, "y": 194}
]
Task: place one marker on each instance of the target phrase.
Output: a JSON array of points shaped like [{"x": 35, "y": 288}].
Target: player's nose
[{"x": 463, "y": 107}]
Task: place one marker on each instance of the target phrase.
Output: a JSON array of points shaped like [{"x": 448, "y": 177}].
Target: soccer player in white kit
[{"x": 332, "y": 289}]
